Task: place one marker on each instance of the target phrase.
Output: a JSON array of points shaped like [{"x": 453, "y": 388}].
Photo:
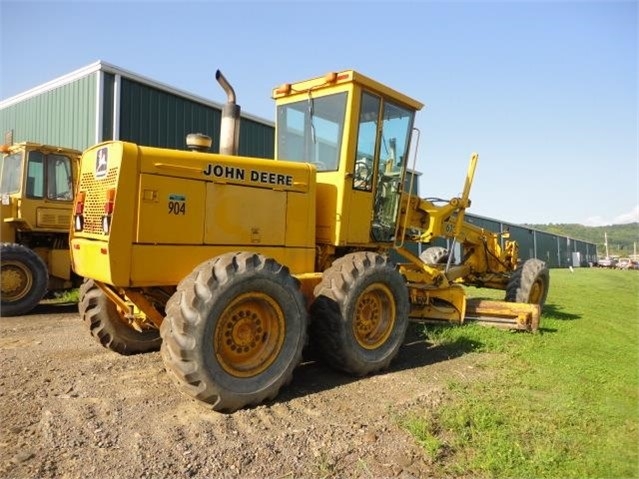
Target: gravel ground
[{"x": 72, "y": 409}]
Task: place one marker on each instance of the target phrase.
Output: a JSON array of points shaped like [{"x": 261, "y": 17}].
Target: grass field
[{"x": 562, "y": 403}]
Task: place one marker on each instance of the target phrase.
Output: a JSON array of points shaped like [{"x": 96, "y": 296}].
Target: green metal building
[{"x": 102, "y": 102}]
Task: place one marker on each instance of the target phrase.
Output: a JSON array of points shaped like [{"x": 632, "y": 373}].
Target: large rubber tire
[
  {"x": 234, "y": 331},
  {"x": 24, "y": 279},
  {"x": 360, "y": 313},
  {"x": 529, "y": 283},
  {"x": 434, "y": 255},
  {"x": 108, "y": 327}
]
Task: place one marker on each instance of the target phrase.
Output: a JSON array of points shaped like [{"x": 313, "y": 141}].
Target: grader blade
[{"x": 503, "y": 314}]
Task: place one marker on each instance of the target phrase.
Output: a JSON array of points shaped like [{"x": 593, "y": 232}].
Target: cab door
[
  {"x": 48, "y": 197},
  {"x": 382, "y": 150},
  {"x": 363, "y": 174}
]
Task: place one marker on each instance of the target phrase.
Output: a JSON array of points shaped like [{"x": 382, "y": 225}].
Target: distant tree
[{"x": 621, "y": 238}]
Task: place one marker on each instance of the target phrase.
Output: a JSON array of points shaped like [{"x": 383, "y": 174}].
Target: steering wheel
[{"x": 363, "y": 175}]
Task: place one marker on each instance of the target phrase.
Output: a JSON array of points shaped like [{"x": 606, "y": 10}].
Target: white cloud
[
  {"x": 594, "y": 221},
  {"x": 631, "y": 216}
]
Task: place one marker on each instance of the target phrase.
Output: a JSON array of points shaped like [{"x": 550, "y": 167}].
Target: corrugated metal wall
[
  {"x": 150, "y": 116},
  {"x": 63, "y": 116},
  {"x": 108, "y": 99},
  {"x": 547, "y": 248},
  {"x": 525, "y": 239}
]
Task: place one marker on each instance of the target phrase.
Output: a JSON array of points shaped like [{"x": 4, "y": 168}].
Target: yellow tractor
[
  {"x": 230, "y": 263},
  {"x": 36, "y": 191}
]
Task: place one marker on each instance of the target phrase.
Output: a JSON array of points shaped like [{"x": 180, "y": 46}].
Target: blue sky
[{"x": 545, "y": 91}]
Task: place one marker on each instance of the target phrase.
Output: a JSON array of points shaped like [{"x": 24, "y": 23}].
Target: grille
[
  {"x": 95, "y": 198},
  {"x": 53, "y": 219}
]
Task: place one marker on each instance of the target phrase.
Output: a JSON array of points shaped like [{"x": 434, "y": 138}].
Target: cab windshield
[
  {"x": 311, "y": 131},
  {"x": 10, "y": 173}
]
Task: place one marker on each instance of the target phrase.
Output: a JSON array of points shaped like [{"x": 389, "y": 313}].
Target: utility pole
[{"x": 606, "y": 243}]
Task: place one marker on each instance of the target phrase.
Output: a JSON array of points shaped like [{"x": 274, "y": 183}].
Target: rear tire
[
  {"x": 24, "y": 279},
  {"x": 234, "y": 331},
  {"x": 109, "y": 328},
  {"x": 360, "y": 314},
  {"x": 529, "y": 283},
  {"x": 434, "y": 255}
]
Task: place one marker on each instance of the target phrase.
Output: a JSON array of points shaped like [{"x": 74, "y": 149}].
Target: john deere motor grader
[
  {"x": 36, "y": 191},
  {"x": 229, "y": 263}
]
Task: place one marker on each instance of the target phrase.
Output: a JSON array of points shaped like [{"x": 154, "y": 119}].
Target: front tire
[
  {"x": 529, "y": 283},
  {"x": 109, "y": 328},
  {"x": 234, "y": 331},
  {"x": 24, "y": 279},
  {"x": 360, "y": 314}
]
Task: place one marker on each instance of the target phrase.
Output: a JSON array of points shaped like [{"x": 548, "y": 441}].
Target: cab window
[
  {"x": 60, "y": 182},
  {"x": 49, "y": 175},
  {"x": 35, "y": 175},
  {"x": 366, "y": 142},
  {"x": 311, "y": 131},
  {"x": 10, "y": 173}
]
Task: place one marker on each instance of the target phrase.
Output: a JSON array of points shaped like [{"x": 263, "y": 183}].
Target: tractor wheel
[
  {"x": 360, "y": 313},
  {"x": 24, "y": 279},
  {"x": 529, "y": 283},
  {"x": 109, "y": 328},
  {"x": 234, "y": 331},
  {"x": 434, "y": 255}
]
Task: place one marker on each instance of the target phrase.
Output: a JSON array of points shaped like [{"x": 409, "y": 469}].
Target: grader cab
[{"x": 230, "y": 264}]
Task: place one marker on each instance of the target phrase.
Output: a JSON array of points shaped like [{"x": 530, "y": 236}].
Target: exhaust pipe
[{"x": 230, "y": 127}]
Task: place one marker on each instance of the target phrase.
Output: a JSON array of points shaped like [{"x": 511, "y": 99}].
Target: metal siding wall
[
  {"x": 485, "y": 223},
  {"x": 107, "y": 107},
  {"x": 525, "y": 238},
  {"x": 547, "y": 248},
  {"x": 64, "y": 116},
  {"x": 256, "y": 139},
  {"x": 149, "y": 116},
  {"x": 563, "y": 252},
  {"x": 586, "y": 252}
]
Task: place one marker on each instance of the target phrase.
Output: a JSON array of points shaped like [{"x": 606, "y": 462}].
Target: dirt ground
[{"x": 72, "y": 409}]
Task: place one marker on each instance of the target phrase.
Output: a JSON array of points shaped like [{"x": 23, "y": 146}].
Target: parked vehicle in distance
[
  {"x": 606, "y": 262},
  {"x": 623, "y": 263}
]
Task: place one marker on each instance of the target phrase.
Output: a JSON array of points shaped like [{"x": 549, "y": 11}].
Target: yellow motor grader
[{"x": 230, "y": 264}]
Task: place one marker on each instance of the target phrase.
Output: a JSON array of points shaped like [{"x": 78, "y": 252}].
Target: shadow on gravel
[
  {"x": 314, "y": 376},
  {"x": 54, "y": 308}
]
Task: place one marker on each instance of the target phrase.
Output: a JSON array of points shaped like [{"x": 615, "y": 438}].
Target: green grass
[
  {"x": 559, "y": 403},
  {"x": 67, "y": 296}
]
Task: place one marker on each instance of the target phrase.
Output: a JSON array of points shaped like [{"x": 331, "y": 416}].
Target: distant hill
[{"x": 621, "y": 238}]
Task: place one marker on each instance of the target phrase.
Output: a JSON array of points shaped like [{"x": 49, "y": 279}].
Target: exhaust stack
[{"x": 230, "y": 127}]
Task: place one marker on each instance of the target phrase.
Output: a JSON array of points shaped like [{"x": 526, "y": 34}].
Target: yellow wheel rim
[
  {"x": 17, "y": 280},
  {"x": 536, "y": 292},
  {"x": 249, "y": 335},
  {"x": 375, "y": 316}
]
